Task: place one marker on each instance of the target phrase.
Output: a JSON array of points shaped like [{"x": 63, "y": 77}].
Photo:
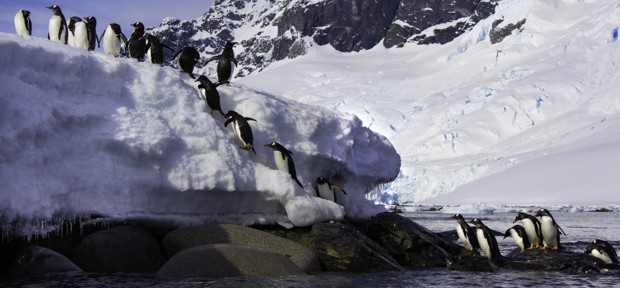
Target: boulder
[
  {"x": 549, "y": 260},
  {"x": 183, "y": 238},
  {"x": 39, "y": 261},
  {"x": 120, "y": 249},
  {"x": 227, "y": 260}
]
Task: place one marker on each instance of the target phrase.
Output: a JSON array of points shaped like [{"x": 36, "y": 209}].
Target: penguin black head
[
  {"x": 321, "y": 180},
  {"x": 90, "y": 19},
  {"x": 477, "y": 222},
  {"x": 137, "y": 25},
  {"x": 26, "y": 13},
  {"x": 55, "y": 9},
  {"x": 543, "y": 212},
  {"x": 232, "y": 114},
  {"x": 278, "y": 147},
  {"x": 204, "y": 80},
  {"x": 457, "y": 217}
]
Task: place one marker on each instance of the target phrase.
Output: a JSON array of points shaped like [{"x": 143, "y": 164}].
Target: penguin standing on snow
[
  {"x": 486, "y": 240},
  {"x": 58, "y": 31},
  {"x": 91, "y": 25},
  {"x": 137, "y": 43},
  {"x": 188, "y": 57},
  {"x": 111, "y": 39},
  {"x": 241, "y": 127},
  {"x": 225, "y": 63},
  {"x": 209, "y": 93},
  {"x": 466, "y": 233},
  {"x": 78, "y": 33},
  {"x": 532, "y": 229},
  {"x": 517, "y": 232},
  {"x": 284, "y": 160},
  {"x": 154, "y": 49},
  {"x": 550, "y": 229},
  {"x": 327, "y": 190},
  {"x": 23, "y": 25},
  {"x": 603, "y": 250}
]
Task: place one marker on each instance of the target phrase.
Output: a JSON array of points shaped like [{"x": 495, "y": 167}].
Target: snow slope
[
  {"x": 532, "y": 120},
  {"x": 85, "y": 133}
]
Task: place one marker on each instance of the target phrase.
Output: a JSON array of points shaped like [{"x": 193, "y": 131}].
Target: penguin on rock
[
  {"x": 486, "y": 240},
  {"x": 23, "y": 25},
  {"x": 58, "y": 31},
  {"x": 603, "y": 250},
  {"x": 517, "y": 232},
  {"x": 93, "y": 38},
  {"x": 550, "y": 230},
  {"x": 326, "y": 190},
  {"x": 137, "y": 42},
  {"x": 111, "y": 39},
  {"x": 466, "y": 233},
  {"x": 188, "y": 57},
  {"x": 532, "y": 229},
  {"x": 154, "y": 49},
  {"x": 225, "y": 63},
  {"x": 209, "y": 94},
  {"x": 242, "y": 129},
  {"x": 284, "y": 160}
]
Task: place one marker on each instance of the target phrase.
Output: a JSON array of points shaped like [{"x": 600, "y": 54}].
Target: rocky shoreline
[{"x": 386, "y": 242}]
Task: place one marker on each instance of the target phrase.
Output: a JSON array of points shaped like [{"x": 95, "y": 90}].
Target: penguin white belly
[
  {"x": 518, "y": 239},
  {"x": 20, "y": 25},
  {"x": 111, "y": 43},
  {"x": 325, "y": 192},
  {"x": 549, "y": 231},
  {"x": 463, "y": 237},
  {"x": 281, "y": 163},
  {"x": 148, "y": 55},
  {"x": 55, "y": 33},
  {"x": 530, "y": 230},
  {"x": 81, "y": 36},
  {"x": 484, "y": 244},
  {"x": 203, "y": 94},
  {"x": 237, "y": 129},
  {"x": 601, "y": 255}
]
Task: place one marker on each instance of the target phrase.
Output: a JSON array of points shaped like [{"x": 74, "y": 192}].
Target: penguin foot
[{"x": 554, "y": 248}]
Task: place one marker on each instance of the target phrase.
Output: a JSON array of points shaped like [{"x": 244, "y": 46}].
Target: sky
[{"x": 149, "y": 12}]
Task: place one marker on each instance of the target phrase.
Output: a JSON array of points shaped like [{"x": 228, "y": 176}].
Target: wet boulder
[
  {"x": 35, "y": 261},
  {"x": 549, "y": 260}
]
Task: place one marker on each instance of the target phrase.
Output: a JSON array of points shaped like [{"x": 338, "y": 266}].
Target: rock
[
  {"x": 497, "y": 34},
  {"x": 549, "y": 260},
  {"x": 342, "y": 248},
  {"x": 187, "y": 237},
  {"x": 120, "y": 249},
  {"x": 39, "y": 261},
  {"x": 226, "y": 260}
]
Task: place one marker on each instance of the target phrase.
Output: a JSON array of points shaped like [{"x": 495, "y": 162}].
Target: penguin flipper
[
  {"x": 212, "y": 59},
  {"x": 252, "y": 147},
  {"x": 234, "y": 61},
  {"x": 298, "y": 183},
  {"x": 48, "y": 36},
  {"x": 228, "y": 121},
  {"x": 166, "y": 46},
  {"x": 336, "y": 188},
  {"x": 560, "y": 230},
  {"x": 250, "y": 119},
  {"x": 221, "y": 83}
]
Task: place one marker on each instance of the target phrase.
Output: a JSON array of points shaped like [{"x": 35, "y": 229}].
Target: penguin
[
  {"x": 550, "y": 230},
  {"x": 23, "y": 25},
  {"x": 209, "y": 93},
  {"x": 603, "y": 250},
  {"x": 91, "y": 25},
  {"x": 137, "y": 42},
  {"x": 224, "y": 63},
  {"x": 242, "y": 129},
  {"x": 188, "y": 57},
  {"x": 517, "y": 232},
  {"x": 154, "y": 49},
  {"x": 284, "y": 160},
  {"x": 532, "y": 229},
  {"x": 466, "y": 233},
  {"x": 78, "y": 33},
  {"x": 486, "y": 239},
  {"x": 58, "y": 31},
  {"x": 326, "y": 190},
  {"x": 111, "y": 39}
]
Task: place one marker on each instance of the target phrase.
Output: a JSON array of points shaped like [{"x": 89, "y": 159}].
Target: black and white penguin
[
  {"x": 486, "y": 239},
  {"x": 517, "y": 232},
  {"x": 78, "y": 33},
  {"x": 327, "y": 190},
  {"x": 284, "y": 160},
  {"x": 23, "y": 25},
  {"x": 188, "y": 57},
  {"x": 93, "y": 38},
  {"x": 466, "y": 233},
  {"x": 603, "y": 250},
  {"x": 550, "y": 230},
  {"x": 532, "y": 229},
  {"x": 154, "y": 49},
  {"x": 225, "y": 63},
  {"x": 58, "y": 31},
  {"x": 111, "y": 39},
  {"x": 241, "y": 127},
  {"x": 209, "y": 94},
  {"x": 137, "y": 42}
]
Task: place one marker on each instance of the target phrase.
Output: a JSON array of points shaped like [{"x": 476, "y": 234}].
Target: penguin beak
[
  {"x": 49, "y": 7},
  {"x": 471, "y": 221},
  {"x": 515, "y": 221}
]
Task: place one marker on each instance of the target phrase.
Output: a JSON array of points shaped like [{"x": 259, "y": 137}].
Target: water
[{"x": 580, "y": 227}]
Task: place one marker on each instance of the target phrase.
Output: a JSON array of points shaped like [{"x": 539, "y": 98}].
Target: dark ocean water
[{"x": 580, "y": 227}]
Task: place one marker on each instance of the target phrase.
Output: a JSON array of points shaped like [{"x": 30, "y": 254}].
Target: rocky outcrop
[
  {"x": 35, "y": 261},
  {"x": 497, "y": 33}
]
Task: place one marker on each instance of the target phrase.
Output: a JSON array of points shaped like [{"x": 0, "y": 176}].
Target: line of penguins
[
  {"x": 82, "y": 34},
  {"x": 533, "y": 234}
]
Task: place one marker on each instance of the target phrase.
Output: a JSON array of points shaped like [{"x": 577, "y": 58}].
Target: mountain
[{"x": 270, "y": 31}]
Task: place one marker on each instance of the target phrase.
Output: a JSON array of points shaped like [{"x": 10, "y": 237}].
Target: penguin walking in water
[
  {"x": 23, "y": 25},
  {"x": 154, "y": 49},
  {"x": 467, "y": 234},
  {"x": 225, "y": 62},
  {"x": 326, "y": 190},
  {"x": 78, "y": 33},
  {"x": 188, "y": 57},
  {"x": 284, "y": 160},
  {"x": 93, "y": 38},
  {"x": 58, "y": 31},
  {"x": 550, "y": 230},
  {"x": 603, "y": 250},
  {"x": 137, "y": 42},
  {"x": 517, "y": 232},
  {"x": 241, "y": 127},
  {"x": 111, "y": 39},
  {"x": 486, "y": 240},
  {"x": 209, "y": 93},
  {"x": 532, "y": 229}
]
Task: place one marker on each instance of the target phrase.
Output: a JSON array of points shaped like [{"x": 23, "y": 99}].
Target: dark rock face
[
  {"x": 497, "y": 34},
  {"x": 35, "y": 261}
]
